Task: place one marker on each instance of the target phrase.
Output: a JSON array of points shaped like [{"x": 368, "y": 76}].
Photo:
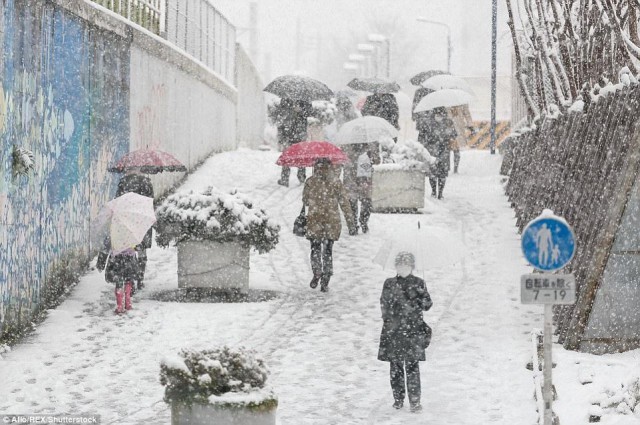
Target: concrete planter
[
  {"x": 397, "y": 190},
  {"x": 207, "y": 264},
  {"x": 223, "y": 414}
]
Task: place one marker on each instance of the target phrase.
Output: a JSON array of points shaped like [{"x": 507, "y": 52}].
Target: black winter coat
[
  {"x": 120, "y": 268},
  {"x": 291, "y": 118},
  {"x": 384, "y": 106},
  {"x": 140, "y": 184},
  {"x": 438, "y": 142},
  {"x": 404, "y": 335}
]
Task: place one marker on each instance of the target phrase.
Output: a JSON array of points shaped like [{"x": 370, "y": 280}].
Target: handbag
[{"x": 300, "y": 224}]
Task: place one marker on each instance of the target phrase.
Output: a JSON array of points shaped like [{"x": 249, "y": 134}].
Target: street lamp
[
  {"x": 367, "y": 50},
  {"x": 379, "y": 39},
  {"x": 449, "y": 48}
]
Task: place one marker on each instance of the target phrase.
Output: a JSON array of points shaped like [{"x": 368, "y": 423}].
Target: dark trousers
[
  {"x": 397, "y": 373},
  {"x": 286, "y": 171},
  {"x": 456, "y": 160},
  {"x": 437, "y": 185},
  {"x": 142, "y": 263},
  {"x": 365, "y": 210},
  {"x": 322, "y": 257}
]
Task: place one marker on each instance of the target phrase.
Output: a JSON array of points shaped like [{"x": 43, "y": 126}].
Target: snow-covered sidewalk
[{"x": 321, "y": 348}]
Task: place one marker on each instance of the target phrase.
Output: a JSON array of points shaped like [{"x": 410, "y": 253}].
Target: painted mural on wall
[{"x": 63, "y": 96}]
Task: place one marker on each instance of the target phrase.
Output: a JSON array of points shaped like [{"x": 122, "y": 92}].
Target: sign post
[{"x": 548, "y": 244}]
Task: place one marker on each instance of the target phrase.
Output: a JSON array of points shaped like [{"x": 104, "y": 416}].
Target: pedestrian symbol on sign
[{"x": 548, "y": 242}]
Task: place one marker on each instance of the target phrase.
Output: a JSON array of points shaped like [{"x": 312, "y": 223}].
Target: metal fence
[
  {"x": 146, "y": 13},
  {"x": 200, "y": 30},
  {"x": 194, "y": 26}
]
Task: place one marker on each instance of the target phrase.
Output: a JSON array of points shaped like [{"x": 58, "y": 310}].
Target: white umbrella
[
  {"x": 125, "y": 219},
  {"x": 445, "y": 98},
  {"x": 432, "y": 247},
  {"x": 443, "y": 81},
  {"x": 365, "y": 130}
]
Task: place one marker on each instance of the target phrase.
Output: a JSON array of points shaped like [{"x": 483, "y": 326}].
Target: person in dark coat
[
  {"x": 291, "y": 118},
  {"x": 345, "y": 110},
  {"x": 438, "y": 143},
  {"x": 424, "y": 120},
  {"x": 324, "y": 196},
  {"x": 404, "y": 335},
  {"x": 136, "y": 182},
  {"x": 383, "y": 105},
  {"x": 122, "y": 270}
]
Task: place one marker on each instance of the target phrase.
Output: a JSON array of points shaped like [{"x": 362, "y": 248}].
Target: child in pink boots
[{"x": 121, "y": 269}]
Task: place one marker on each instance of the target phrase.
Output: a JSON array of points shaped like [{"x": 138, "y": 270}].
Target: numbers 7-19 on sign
[{"x": 545, "y": 288}]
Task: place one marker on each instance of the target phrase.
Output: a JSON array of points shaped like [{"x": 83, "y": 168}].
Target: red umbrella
[
  {"x": 305, "y": 154},
  {"x": 149, "y": 161}
]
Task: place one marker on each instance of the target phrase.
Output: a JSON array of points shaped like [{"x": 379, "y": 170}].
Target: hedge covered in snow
[{"x": 215, "y": 216}]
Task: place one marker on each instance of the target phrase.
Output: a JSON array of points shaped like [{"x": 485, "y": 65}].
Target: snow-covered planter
[
  {"x": 219, "y": 386},
  {"x": 399, "y": 182},
  {"x": 214, "y": 232}
]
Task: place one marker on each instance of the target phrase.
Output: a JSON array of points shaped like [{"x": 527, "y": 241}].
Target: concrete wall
[
  {"x": 80, "y": 87},
  {"x": 252, "y": 109},
  {"x": 64, "y": 95}
]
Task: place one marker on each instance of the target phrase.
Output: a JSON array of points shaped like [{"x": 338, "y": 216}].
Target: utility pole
[
  {"x": 298, "y": 44},
  {"x": 253, "y": 31},
  {"x": 494, "y": 70}
]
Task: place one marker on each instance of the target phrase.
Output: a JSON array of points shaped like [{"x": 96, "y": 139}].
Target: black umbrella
[
  {"x": 374, "y": 85},
  {"x": 296, "y": 87},
  {"x": 418, "y": 79}
]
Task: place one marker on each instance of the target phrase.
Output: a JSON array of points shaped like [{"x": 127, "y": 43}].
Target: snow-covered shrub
[
  {"x": 221, "y": 375},
  {"x": 22, "y": 161},
  {"x": 215, "y": 216},
  {"x": 407, "y": 155},
  {"x": 323, "y": 112},
  {"x": 622, "y": 400}
]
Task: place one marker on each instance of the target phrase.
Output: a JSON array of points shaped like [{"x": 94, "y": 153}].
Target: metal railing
[
  {"x": 204, "y": 33},
  {"x": 146, "y": 13},
  {"x": 194, "y": 26}
]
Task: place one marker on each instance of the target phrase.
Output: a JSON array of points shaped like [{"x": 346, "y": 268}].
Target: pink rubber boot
[
  {"x": 127, "y": 295},
  {"x": 119, "y": 299}
]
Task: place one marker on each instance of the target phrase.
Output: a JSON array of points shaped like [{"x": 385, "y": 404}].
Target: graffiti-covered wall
[{"x": 64, "y": 95}]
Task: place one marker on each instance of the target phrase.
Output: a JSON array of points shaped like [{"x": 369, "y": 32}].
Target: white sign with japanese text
[{"x": 547, "y": 288}]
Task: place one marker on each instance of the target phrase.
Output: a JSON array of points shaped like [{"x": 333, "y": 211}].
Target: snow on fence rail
[
  {"x": 146, "y": 13},
  {"x": 583, "y": 166},
  {"x": 194, "y": 26}
]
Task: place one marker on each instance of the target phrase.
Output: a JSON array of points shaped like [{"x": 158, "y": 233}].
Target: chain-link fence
[{"x": 200, "y": 30}]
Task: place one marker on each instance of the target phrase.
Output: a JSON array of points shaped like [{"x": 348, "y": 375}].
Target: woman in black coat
[
  {"x": 383, "y": 105},
  {"x": 438, "y": 142},
  {"x": 404, "y": 335}
]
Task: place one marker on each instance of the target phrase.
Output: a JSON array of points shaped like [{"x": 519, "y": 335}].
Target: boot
[
  {"x": 302, "y": 175},
  {"x": 128, "y": 287},
  {"x": 416, "y": 407},
  {"x": 398, "y": 404},
  {"x": 283, "y": 182},
  {"x": 119, "y": 300},
  {"x": 315, "y": 281},
  {"x": 324, "y": 283}
]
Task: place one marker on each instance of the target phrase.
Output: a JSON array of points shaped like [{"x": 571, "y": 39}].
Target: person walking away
[
  {"x": 137, "y": 182},
  {"x": 292, "y": 128},
  {"x": 405, "y": 335},
  {"x": 345, "y": 111},
  {"x": 424, "y": 120},
  {"x": 121, "y": 270},
  {"x": 324, "y": 196},
  {"x": 383, "y": 105},
  {"x": 438, "y": 143},
  {"x": 358, "y": 178},
  {"x": 461, "y": 118}
]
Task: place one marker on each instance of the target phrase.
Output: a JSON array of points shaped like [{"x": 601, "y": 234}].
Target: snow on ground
[{"x": 321, "y": 348}]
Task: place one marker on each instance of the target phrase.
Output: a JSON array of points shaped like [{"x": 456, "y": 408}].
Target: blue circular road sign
[{"x": 548, "y": 243}]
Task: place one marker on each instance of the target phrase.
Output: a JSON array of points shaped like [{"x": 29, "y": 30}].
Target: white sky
[{"x": 346, "y": 20}]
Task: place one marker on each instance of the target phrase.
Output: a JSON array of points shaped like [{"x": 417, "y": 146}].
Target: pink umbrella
[
  {"x": 305, "y": 154},
  {"x": 149, "y": 161}
]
